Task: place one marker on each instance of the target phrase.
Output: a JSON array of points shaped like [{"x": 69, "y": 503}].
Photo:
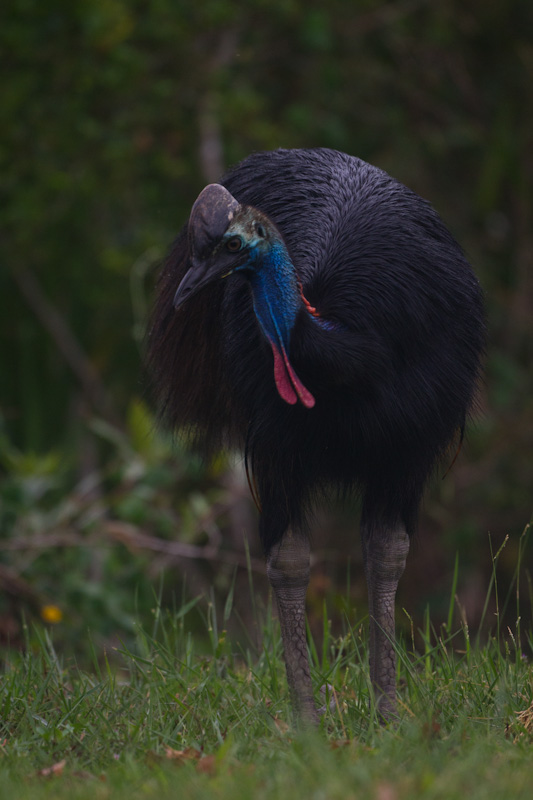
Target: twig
[
  {"x": 66, "y": 342},
  {"x": 13, "y": 584},
  {"x": 132, "y": 537}
]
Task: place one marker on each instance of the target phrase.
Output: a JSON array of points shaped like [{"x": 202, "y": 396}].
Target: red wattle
[
  {"x": 289, "y": 385},
  {"x": 284, "y": 386}
]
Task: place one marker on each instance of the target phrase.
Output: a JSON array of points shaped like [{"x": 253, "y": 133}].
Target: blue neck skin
[
  {"x": 275, "y": 291},
  {"x": 277, "y": 298}
]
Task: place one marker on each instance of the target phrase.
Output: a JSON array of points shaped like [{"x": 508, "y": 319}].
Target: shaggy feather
[{"x": 393, "y": 366}]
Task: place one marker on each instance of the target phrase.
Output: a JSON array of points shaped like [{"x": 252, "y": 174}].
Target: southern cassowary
[{"x": 318, "y": 314}]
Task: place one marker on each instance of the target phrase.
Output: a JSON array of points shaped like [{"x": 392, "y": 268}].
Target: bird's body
[{"x": 332, "y": 329}]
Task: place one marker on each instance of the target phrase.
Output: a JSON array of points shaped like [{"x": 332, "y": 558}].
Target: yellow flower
[{"x": 51, "y": 614}]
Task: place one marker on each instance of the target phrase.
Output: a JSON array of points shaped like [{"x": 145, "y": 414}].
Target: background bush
[{"x": 114, "y": 115}]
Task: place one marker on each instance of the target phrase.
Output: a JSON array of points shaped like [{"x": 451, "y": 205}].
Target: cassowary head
[{"x": 226, "y": 237}]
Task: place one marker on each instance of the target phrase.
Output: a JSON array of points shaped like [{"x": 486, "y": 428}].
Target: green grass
[{"x": 165, "y": 721}]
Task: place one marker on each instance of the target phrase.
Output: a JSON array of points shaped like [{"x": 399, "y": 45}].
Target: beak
[
  {"x": 211, "y": 214},
  {"x": 198, "y": 276}
]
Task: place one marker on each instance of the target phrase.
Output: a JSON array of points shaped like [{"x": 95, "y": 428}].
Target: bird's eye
[
  {"x": 234, "y": 244},
  {"x": 260, "y": 230}
]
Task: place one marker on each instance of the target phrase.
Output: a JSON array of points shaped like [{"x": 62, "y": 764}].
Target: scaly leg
[
  {"x": 384, "y": 554},
  {"x": 288, "y": 573}
]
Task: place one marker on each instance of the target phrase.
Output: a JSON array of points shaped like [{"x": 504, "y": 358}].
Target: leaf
[
  {"x": 207, "y": 765},
  {"x": 386, "y": 791},
  {"x": 183, "y": 756},
  {"x": 55, "y": 771},
  {"x": 281, "y": 725}
]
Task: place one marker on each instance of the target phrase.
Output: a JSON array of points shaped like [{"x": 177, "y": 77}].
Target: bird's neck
[
  {"x": 275, "y": 293},
  {"x": 277, "y": 299}
]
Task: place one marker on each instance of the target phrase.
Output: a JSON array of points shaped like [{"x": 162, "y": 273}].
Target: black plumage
[{"x": 391, "y": 356}]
